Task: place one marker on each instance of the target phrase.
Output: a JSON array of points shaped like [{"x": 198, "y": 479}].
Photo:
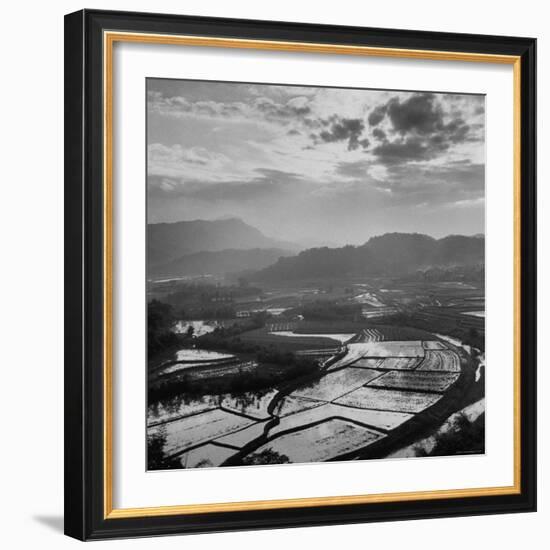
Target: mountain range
[
  {"x": 231, "y": 246},
  {"x": 167, "y": 242},
  {"x": 391, "y": 254}
]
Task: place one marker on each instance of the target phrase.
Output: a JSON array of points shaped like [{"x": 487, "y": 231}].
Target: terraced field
[
  {"x": 392, "y": 349},
  {"x": 440, "y": 360},
  {"x": 322, "y": 442},
  {"x": 292, "y": 404},
  {"x": 380, "y": 420},
  {"x": 193, "y": 430},
  {"x": 175, "y": 408},
  {"x": 389, "y": 400},
  {"x": 281, "y": 339},
  {"x": 364, "y": 396},
  {"x": 417, "y": 380},
  {"x": 398, "y": 363},
  {"x": 206, "y": 456},
  {"x": 249, "y": 404},
  {"x": 336, "y": 383}
]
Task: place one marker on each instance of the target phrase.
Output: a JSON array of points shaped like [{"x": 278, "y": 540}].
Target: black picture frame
[{"x": 85, "y": 516}]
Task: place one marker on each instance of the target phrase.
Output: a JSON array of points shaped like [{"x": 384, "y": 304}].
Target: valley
[{"x": 315, "y": 359}]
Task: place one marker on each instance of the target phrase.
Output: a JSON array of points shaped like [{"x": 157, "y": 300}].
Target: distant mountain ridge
[
  {"x": 167, "y": 242},
  {"x": 392, "y": 254}
]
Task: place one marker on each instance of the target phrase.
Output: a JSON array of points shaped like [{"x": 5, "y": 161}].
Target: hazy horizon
[
  {"x": 316, "y": 165},
  {"x": 329, "y": 244}
]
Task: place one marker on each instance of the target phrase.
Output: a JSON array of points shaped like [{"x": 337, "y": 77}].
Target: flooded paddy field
[
  {"x": 357, "y": 405},
  {"x": 317, "y": 371}
]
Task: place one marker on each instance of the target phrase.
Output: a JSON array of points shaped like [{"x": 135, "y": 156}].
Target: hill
[
  {"x": 167, "y": 242},
  {"x": 392, "y": 254}
]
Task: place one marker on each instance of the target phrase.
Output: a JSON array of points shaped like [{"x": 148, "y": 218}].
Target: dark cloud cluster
[
  {"x": 406, "y": 150},
  {"x": 419, "y": 129},
  {"x": 379, "y": 134},
  {"x": 377, "y": 115},
  {"x": 418, "y": 114},
  {"x": 343, "y": 129}
]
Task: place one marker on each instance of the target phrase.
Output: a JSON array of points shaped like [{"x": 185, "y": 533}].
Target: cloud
[
  {"x": 266, "y": 183},
  {"x": 175, "y": 160},
  {"x": 176, "y": 153},
  {"x": 413, "y": 184},
  {"x": 449, "y": 183},
  {"x": 300, "y": 112},
  {"x": 377, "y": 115},
  {"x": 343, "y": 129},
  {"x": 295, "y": 107},
  {"x": 179, "y": 106},
  {"x": 417, "y": 128},
  {"x": 357, "y": 169},
  {"x": 260, "y": 108},
  {"x": 402, "y": 151},
  {"x": 418, "y": 114},
  {"x": 325, "y": 163}
]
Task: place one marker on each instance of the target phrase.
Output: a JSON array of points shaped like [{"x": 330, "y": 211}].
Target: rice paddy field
[
  {"x": 440, "y": 360},
  {"x": 180, "y": 407},
  {"x": 206, "y": 456},
  {"x": 250, "y": 404},
  {"x": 380, "y": 420},
  {"x": 391, "y": 349},
  {"x": 242, "y": 437},
  {"x": 397, "y": 363},
  {"x": 339, "y": 337},
  {"x": 417, "y": 380},
  {"x": 196, "y": 355},
  {"x": 322, "y": 442},
  {"x": 378, "y": 380},
  {"x": 283, "y": 342},
  {"x": 373, "y": 387},
  {"x": 190, "y": 431},
  {"x": 336, "y": 383},
  {"x": 389, "y": 400},
  {"x": 292, "y": 404}
]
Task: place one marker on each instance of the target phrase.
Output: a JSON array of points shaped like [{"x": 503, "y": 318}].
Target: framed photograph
[{"x": 300, "y": 274}]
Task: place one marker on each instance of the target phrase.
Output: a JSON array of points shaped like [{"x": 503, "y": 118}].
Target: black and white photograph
[{"x": 315, "y": 274}]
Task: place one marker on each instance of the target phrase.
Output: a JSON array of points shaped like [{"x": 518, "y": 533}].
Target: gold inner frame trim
[{"x": 109, "y": 39}]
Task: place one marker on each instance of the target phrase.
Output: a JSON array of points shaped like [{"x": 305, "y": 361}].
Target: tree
[
  {"x": 464, "y": 437},
  {"x": 160, "y": 316},
  {"x": 156, "y": 459},
  {"x": 161, "y": 320},
  {"x": 475, "y": 339},
  {"x": 269, "y": 456},
  {"x": 155, "y": 453}
]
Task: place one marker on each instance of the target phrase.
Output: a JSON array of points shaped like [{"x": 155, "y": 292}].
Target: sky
[{"x": 316, "y": 166}]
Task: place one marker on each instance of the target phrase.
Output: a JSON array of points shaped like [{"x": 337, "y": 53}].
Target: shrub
[
  {"x": 464, "y": 437},
  {"x": 269, "y": 456}
]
